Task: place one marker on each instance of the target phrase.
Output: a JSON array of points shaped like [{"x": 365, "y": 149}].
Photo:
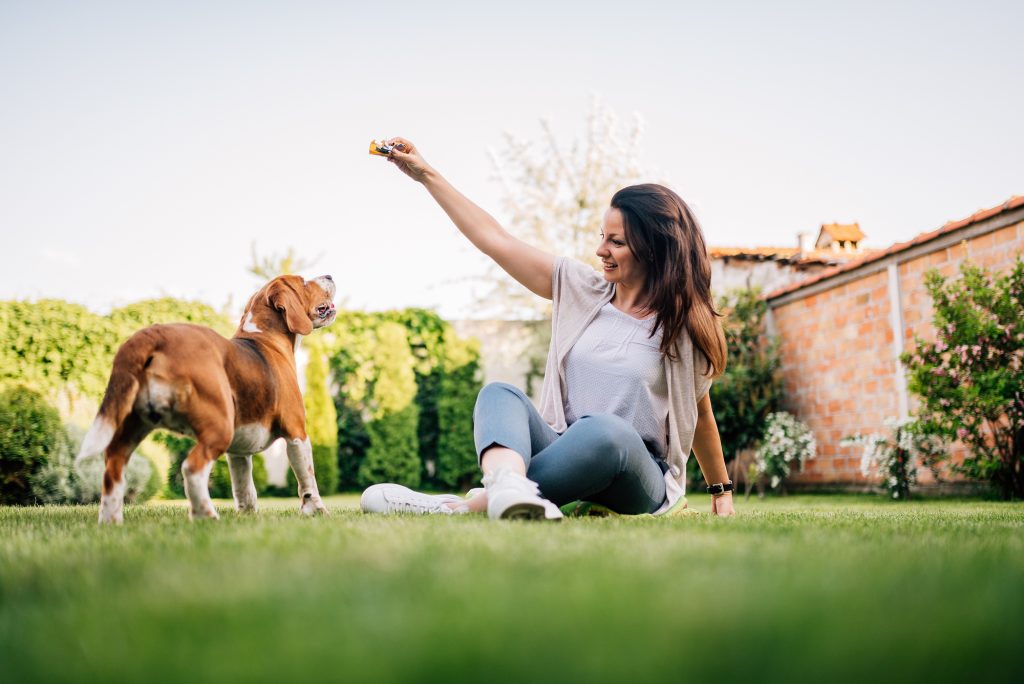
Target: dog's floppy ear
[{"x": 285, "y": 299}]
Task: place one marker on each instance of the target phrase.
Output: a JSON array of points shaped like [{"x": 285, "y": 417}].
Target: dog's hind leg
[
  {"x": 300, "y": 456},
  {"x": 121, "y": 446},
  {"x": 195, "y": 471},
  {"x": 242, "y": 486}
]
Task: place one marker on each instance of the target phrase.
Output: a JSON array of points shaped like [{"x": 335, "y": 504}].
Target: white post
[{"x": 896, "y": 321}]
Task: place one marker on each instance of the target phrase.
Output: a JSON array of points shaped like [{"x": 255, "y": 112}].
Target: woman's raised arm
[{"x": 528, "y": 265}]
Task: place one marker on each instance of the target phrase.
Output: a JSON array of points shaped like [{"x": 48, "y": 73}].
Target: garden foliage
[
  {"x": 446, "y": 381},
  {"x": 970, "y": 380},
  {"x": 786, "y": 445},
  {"x": 896, "y": 456},
  {"x": 750, "y": 388},
  {"x": 393, "y": 453},
  {"x": 30, "y": 434},
  {"x": 64, "y": 352}
]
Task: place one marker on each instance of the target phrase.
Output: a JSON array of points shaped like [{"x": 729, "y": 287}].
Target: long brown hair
[{"x": 663, "y": 234}]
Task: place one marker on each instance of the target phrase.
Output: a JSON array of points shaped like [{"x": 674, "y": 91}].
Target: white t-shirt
[{"x": 617, "y": 368}]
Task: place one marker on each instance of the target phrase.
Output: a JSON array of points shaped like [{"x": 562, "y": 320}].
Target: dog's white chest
[{"x": 249, "y": 439}]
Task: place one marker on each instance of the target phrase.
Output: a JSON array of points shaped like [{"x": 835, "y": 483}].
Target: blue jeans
[{"x": 600, "y": 458}]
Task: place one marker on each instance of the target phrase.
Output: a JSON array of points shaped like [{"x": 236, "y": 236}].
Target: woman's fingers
[{"x": 401, "y": 145}]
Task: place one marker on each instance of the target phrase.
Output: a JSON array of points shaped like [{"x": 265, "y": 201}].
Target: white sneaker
[
  {"x": 390, "y": 498},
  {"x": 513, "y": 497}
]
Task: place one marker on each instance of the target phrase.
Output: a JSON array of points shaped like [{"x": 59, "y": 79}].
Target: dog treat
[{"x": 380, "y": 148}]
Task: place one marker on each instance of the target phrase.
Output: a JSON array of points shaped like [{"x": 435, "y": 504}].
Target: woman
[{"x": 625, "y": 393}]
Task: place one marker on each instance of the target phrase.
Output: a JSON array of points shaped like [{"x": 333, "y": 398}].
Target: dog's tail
[{"x": 129, "y": 365}]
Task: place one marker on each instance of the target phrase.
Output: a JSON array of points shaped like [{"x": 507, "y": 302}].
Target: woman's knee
[
  {"x": 607, "y": 436},
  {"x": 608, "y": 428},
  {"x": 495, "y": 393}
]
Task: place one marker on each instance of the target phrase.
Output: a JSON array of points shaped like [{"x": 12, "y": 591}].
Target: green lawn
[{"x": 803, "y": 588}]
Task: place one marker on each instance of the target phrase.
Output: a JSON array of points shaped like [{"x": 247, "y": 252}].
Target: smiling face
[{"x": 619, "y": 263}]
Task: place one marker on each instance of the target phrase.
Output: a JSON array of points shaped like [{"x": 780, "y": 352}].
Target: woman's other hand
[
  {"x": 722, "y": 505},
  {"x": 406, "y": 157}
]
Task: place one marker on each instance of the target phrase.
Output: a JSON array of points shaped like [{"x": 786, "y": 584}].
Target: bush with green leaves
[
  {"x": 442, "y": 391},
  {"x": 750, "y": 388},
  {"x": 63, "y": 480},
  {"x": 896, "y": 455},
  {"x": 55, "y": 346},
  {"x": 460, "y": 383},
  {"x": 220, "y": 477},
  {"x": 786, "y": 445},
  {"x": 142, "y": 481},
  {"x": 31, "y": 433},
  {"x": 393, "y": 453},
  {"x": 970, "y": 380}
]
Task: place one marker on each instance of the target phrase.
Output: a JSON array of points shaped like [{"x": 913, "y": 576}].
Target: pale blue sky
[{"x": 145, "y": 146}]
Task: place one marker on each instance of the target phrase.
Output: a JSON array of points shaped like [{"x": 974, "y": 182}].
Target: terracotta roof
[
  {"x": 842, "y": 231},
  {"x": 740, "y": 252},
  {"x": 950, "y": 226},
  {"x": 790, "y": 255}
]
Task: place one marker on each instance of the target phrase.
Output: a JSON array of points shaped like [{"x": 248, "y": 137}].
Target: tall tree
[{"x": 556, "y": 191}]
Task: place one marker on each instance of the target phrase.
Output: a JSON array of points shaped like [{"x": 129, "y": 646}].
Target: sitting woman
[{"x": 625, "y": 393}]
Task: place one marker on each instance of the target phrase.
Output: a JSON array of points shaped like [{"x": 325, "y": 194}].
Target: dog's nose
[{"x": 329, "y": 278}]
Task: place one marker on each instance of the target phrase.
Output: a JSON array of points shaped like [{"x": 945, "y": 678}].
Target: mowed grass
[{"x": 801, "y": 588}]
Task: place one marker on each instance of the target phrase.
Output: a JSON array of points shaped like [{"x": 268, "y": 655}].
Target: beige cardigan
[{"x": 578, "y": 293}]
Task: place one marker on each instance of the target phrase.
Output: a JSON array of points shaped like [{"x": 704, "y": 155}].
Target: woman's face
[{"x": 620, "y": 266}]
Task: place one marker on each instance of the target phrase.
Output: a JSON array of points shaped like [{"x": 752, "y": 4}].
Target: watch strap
[{"x": 720, "y": 488}]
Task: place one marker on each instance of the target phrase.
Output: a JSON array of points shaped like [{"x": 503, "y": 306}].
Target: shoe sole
[{"x": 525, "y": 511}]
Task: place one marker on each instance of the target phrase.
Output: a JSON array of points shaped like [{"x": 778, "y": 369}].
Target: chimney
[{"x": 803, "y": 243}]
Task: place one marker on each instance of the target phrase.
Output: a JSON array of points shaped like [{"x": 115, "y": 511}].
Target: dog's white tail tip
[{"x": 97, "y": 439}]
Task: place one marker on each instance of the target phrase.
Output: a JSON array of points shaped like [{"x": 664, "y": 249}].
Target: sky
[{"x": 146, "y": 148}]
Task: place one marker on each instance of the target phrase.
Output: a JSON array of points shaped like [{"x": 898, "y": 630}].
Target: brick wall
[{"x": 837, "y": 342}]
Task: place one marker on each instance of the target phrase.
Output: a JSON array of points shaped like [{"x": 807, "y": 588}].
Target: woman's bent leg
[
  {"x": 601, "y": 459},
  {"x": 505, "y": 417},
  {"x": 508, "y": 430}
]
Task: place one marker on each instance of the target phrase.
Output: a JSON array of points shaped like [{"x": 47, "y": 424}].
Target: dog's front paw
[{"x": 313, "y": 505}]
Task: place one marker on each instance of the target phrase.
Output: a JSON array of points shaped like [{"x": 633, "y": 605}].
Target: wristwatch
[{"x": 720, "y": 488}]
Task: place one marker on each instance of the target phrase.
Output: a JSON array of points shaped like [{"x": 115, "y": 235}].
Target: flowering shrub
[
  {"x": 896, "y": 457},
  {"x": 971, "y": 379},
  {"x": 787, "y": 442}
]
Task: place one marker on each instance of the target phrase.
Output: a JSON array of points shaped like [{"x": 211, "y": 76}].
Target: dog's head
[{"x": 291, "y": 303}]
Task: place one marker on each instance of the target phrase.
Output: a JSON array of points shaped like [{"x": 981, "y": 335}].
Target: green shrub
[
  {"x": 393, "y": 454},
  {"x": 140, "y": 483},
  {"x": 220, "y": 477},
  {"x": 440, "y": 396},
  {"x": 750, "y": 387},
  {"x": 971, "y": 378},
  {"x": 55, "y": 482},
  {"x": 321, "y": 420},
  {"x": 63, "y": 481},
  {"x": 56, "y": 346},
  {"x": 459, "y": 386},
  {"x": 30, "y": 432},
  {"x": 51, "y": 344}
]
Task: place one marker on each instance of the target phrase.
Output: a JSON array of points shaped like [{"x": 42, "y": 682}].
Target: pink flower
[
  {"x": 961, "y": 433},
  {"x": 940, "y": 372}
]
